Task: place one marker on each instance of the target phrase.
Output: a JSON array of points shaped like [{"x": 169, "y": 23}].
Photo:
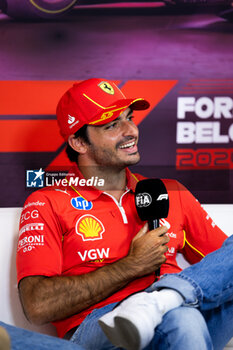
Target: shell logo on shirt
[{"x": 89, "y": 228}]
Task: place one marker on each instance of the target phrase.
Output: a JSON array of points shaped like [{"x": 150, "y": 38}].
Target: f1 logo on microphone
[
  {"x": 143, "y": 200},
  {"x": 162, "y": 196}
]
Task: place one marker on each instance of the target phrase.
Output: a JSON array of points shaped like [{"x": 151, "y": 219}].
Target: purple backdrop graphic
[{"x": 188, "y": 135}]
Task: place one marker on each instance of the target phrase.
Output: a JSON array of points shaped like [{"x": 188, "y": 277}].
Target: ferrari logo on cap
[
  {"x": 106, "y": 87},
  {"x": 89, "y": 228}
]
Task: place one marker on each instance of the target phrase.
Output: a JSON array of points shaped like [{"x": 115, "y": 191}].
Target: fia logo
[
  {"x": 143, "y": 200},
  {"x": 35, "y": 178}
]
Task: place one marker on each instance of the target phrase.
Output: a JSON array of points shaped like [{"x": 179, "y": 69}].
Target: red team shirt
[{"x": 73, "y": 230}]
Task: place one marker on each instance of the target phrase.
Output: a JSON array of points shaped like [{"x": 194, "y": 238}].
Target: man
[{"x": 93, "y": 250}]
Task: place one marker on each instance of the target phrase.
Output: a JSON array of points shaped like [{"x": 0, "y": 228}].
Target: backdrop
[{"x": 181, "y": 63}]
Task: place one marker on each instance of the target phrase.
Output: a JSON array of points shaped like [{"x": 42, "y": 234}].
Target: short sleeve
[
  {"x": 39, "y": 250},
  {"x": 202, "y": 235}
]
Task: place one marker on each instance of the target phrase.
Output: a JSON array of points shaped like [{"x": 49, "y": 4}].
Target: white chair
[{"x": 11, "y": 310}]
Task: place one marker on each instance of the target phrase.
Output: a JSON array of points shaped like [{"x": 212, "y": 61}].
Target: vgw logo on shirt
[{"x": 81, "y": 203}]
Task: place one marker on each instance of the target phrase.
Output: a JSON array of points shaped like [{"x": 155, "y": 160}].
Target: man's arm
[
  {"x": 47, "y": 299},
  {"x": 202, "y": 235}
]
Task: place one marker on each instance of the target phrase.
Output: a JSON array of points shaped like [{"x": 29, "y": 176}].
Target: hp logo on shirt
[{"x": 81, "y": 203}]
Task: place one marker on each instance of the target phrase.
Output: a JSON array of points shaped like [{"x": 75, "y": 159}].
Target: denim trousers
[
  {"x": 203, "y": 322},
  {"x": 22, "y": 339}
]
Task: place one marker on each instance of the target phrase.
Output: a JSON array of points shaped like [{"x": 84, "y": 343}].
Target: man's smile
[{"x": 129, "y": 147}]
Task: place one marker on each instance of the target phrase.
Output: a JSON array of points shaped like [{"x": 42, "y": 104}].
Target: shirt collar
[
  {"x": 132, "y": 180},
  {"x": 90, "y": 192}
]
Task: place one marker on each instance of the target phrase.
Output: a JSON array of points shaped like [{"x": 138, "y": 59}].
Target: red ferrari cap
[{"x": 95, "y": 102}]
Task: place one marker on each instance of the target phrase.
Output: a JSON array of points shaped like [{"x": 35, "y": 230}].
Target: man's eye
[
  {"x": 131, "y": 117},
  {"x": 111, "y": 126}
]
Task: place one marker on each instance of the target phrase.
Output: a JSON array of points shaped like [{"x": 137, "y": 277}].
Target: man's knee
[
  {"x": 228, "y": 241},
  {"x": 183, "y": 328}
]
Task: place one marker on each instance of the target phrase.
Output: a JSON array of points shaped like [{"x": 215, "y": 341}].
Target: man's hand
[{"x": 147, "y": 250}]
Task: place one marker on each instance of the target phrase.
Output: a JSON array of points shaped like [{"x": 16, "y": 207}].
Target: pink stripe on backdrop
[{"x": 124, "y": 4}]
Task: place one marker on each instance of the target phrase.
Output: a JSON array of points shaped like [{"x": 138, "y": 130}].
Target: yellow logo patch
[
  {"x": 89, "y": 228},
  {"x": 106, "y": 87}
]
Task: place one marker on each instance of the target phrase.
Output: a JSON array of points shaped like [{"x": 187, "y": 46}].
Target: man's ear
[{"x": 78, "y": 144}]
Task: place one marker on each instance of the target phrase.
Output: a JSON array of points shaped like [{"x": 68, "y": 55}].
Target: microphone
[{"x": 152, "y": 202}]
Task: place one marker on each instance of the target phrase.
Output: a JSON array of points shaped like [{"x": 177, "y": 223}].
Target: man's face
[{"x": 114, "y": 144}]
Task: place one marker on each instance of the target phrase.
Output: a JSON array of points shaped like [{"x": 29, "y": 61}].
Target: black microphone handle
[{"x": 152, "y": 225}]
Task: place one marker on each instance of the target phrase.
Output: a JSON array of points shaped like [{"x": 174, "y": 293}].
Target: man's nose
[{"x": 129, "y": 129}]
